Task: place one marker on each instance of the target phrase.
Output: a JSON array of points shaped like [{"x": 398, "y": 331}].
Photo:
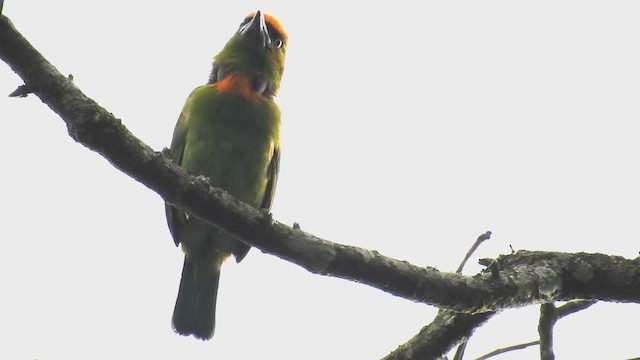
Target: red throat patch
[{"x": 238, "y": 84}]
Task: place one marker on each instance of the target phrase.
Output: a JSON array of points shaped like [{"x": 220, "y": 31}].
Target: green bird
[{"x": 228, "y": 131}]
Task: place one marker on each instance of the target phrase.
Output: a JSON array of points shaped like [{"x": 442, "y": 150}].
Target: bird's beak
[{"x": 257, "y": 27}]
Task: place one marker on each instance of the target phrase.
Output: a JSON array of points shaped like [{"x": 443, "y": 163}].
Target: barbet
[{"x": 228, "y": 131}]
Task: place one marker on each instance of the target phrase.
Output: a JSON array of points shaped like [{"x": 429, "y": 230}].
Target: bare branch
[
  {"x": 548, "y": 319},
  {"x": 573, "y": 306},
  {"x": 507, "y": 349},
  {"x": 440, "y": 336},
  {"x": 557, "y": 313},
  {"x": 482, "y": 238},
  {"x": 549, "y": 315},
  {"x": 459, "y": 355}
]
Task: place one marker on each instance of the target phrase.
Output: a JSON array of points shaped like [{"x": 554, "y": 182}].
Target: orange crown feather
[{"x": 275, "y": 24}]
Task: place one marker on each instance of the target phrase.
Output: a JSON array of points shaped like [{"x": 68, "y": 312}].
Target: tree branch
[
  {"x": 482, "y": 238},
  {"x": 459, "y": 355},
  {"x": 572, "y": 307},
  {"x": 508, "y": 349},
  {"x": 549, "y": 315},
  {"x": 440, "y": 336},
  {"x": 548, "y": 319}
]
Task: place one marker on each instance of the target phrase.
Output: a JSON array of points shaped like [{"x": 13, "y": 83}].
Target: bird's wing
[
  {"x": 176, "y": 217},
  {"x": 267, "y": 199},
  {"x": 272, "y": 179}
]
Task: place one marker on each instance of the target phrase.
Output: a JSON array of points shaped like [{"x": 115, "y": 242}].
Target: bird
[{"x": 229, "y": 132}]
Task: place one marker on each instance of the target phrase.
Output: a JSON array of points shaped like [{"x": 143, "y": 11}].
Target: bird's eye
[{"x": 277, "y": 44}]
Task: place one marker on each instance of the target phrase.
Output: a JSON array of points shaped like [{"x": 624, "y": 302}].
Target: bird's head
[{"x": 256, "y": 50}]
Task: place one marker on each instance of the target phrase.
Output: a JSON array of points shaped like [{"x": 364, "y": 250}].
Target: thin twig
[
  {"x": 558, "y": 313},
  {"x": 507, "y": 349},
  {"x": 482, "y": 238},
  {"x": 549, "y": 315},
  {"x": 461, "y": 349},
  {"x": 573, "y": 306}
]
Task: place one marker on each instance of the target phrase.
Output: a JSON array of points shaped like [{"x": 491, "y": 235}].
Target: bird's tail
[{"x": 195, "y": 310}]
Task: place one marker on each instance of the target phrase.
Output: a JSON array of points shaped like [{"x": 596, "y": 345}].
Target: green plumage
[{"x": 228, "y": 131}]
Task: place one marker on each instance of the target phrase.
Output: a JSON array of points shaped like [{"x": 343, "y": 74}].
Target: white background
[{"x": 408, "y": 128}]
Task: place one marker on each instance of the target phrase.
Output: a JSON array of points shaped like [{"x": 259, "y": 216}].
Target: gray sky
[{"x": 408, "y": 127}]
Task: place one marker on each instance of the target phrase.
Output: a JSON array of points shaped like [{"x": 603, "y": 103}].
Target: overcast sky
[{"x": 408, "y": 127}]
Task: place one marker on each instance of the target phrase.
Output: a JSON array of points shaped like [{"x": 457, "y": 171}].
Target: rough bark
[{"x": 437, "y": 338}]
